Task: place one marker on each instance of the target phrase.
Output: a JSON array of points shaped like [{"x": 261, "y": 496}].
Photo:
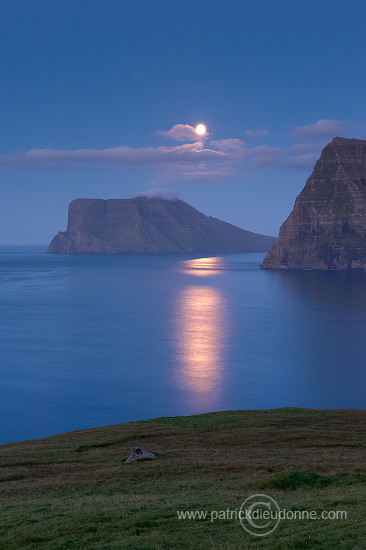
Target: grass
[{"x": 74, "y": 491}]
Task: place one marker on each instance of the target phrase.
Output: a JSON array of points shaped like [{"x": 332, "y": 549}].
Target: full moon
[{"x": 201, "y": 129}]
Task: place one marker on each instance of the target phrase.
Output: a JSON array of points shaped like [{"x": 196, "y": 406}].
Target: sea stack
[
  {"x": 149, "y": 226},
  {"x": 327, "y": 228}
]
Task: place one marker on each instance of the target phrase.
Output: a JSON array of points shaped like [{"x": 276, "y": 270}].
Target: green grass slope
[{"x": 74, "y": 491}]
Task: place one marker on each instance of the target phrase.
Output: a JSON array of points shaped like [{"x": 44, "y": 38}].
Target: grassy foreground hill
[{"x": 74, "y": 491}]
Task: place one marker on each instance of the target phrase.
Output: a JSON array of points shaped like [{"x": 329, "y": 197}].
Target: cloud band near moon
[{"x": 195, "y": 154}]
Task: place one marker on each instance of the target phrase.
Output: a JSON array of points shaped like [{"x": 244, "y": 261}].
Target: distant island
[
  {"x": 327, "y": 228},
  {"x": 146, "y": 225}
]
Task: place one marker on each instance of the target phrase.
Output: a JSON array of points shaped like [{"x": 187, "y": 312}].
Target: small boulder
[{"x": 138, "y": 453}]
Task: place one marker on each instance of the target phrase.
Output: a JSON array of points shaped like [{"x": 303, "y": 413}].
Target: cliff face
[
  {"x": 149, "y": 225},
  {"x": 327, "y": 227}
]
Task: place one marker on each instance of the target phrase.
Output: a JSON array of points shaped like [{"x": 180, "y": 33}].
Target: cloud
[
  {"x": 300, "y": 156},
  {"x": 300, "y": 161},
  {"x": 321, "y": 128},
  {"x": 219, "y": 159},
  {"x": 226, "y": 145},
  {"x": 261, "y": 132},
  {"x": 204, "y": 173},
  {"x": 195, "y": 161},
  {"x": 313, "y": 147},
  {"x": 114, "y": 157},
  {"x": 179, "y": 132},
  {"x": 161, "y": 193}
]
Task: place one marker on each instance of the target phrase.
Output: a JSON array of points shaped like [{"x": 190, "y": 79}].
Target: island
[{"x": 149, "y": 225}]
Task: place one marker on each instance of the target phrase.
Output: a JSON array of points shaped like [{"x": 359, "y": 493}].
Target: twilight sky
[{"x": 99, "y": 99}]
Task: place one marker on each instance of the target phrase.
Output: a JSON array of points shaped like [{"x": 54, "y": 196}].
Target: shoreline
[{"x": 164, "y": 418}]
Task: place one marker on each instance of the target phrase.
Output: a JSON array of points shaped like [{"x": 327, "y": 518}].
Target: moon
[{"x": 201, "y": 129}]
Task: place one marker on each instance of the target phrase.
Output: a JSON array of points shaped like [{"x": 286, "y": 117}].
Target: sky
[{"x": 100, "y": 98}]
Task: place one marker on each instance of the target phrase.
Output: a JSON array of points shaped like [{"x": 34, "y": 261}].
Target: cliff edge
[
  {"x": 149, "y": 225},
  {"x": 327, "y": 227}
]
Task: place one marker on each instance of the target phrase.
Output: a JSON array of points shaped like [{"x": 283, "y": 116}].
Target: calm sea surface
[{"x": 94, "y": 340}]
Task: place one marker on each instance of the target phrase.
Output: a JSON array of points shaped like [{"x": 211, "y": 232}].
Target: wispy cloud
[
  {"x": 256, "y": 133},
  {"x": 321, "y": 128},
  {"x": 302, "y": 155},
  {"x": 117, "y": 156},
  {"x": 194, "y": 161},
  {"x": 189, "y": 174},
  {"x": 227, "y": 145},
  {"x": 180, "y": 132},
  {"x": 160, "y": 192},
  {"x": 189, "y": 158}
]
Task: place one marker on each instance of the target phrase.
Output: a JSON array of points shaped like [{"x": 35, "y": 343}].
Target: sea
[{"x": 87, "y": 341}]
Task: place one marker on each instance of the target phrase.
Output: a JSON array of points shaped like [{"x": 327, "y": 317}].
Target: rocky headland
[
  {"x": 327, "y": 228},
  {"x": 149, "y": 225}
]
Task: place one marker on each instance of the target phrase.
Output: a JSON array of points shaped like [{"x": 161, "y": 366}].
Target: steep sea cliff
[{"x": 327, "y": 227}]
